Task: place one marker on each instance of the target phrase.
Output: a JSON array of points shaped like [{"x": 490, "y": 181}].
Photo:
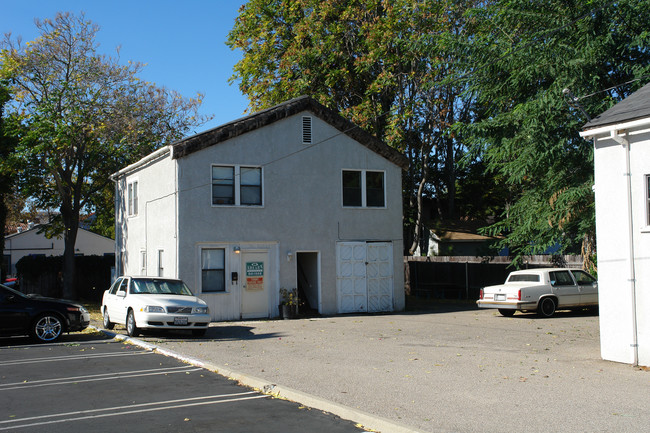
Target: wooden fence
[{"x": 458, "y": 277}]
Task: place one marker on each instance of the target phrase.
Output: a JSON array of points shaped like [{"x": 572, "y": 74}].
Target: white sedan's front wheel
[{"x": 131, "y": 327}]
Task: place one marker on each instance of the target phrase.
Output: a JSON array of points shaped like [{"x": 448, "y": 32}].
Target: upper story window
[
  {"x": 132, "y": 198},
  {"x": 236, "y": 185},
  {"x": 364, "y": 188}
]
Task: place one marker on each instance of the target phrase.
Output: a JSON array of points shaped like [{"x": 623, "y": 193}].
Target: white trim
[
  {"x": 162, "y": 152},
  {"x": 607, "y": 129}
]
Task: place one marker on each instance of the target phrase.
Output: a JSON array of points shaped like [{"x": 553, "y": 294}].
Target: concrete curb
[{"x": 368, "y": 421}]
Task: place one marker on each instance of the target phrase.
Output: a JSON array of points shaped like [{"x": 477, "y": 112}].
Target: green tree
[
  {"x": 79, "y": 116},
  {"x": 384, "y": 65},
  {"x": 6, "y": 176},
  {"x": 525, "y": 54}
]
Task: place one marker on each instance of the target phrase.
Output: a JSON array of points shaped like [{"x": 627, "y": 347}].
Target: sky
[{"x": 182, "y": 42}]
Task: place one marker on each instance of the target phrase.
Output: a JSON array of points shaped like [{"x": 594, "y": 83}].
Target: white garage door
[{"x": 364, "y": 273}]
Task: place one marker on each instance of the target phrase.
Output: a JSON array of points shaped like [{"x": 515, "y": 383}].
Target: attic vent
[{"x": 306, "y": 130}]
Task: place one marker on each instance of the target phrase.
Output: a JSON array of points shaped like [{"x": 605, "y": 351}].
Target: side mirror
[
  {"x": 121, "y": 294},
  {"x": 553, "y": 282}
]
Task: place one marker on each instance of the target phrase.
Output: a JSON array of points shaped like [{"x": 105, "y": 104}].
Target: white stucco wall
[
  {"x": 624, "y": 322},
  {"x": 154, "y": 226}
]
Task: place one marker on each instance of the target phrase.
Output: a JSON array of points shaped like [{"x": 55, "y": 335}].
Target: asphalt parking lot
[
  {"x": 452, "y": 369},
  {"x": 86, "y": 383}
]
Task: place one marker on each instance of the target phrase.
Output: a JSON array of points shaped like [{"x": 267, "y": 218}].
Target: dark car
[{"x": 44, "y": 319}]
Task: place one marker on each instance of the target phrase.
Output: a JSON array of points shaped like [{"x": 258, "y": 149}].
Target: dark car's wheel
[
  {"x": 107, "y": 320},
  {"x": 47, "y": 328},
  {"x": 546, "y": 307},
  {"x": 506, "y": 313},
  {"x": 131, "y": 327}
]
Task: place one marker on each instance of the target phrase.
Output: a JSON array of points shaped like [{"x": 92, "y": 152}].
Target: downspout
[
  {"x": 632, "y": 280},
  {"x": 118, "y": 256}
]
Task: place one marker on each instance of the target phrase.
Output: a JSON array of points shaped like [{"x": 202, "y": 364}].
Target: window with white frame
[
  {"x": 143, "y": 262},
  {"x": 132, "y": 198},
  {"x": 161, "y": 266},
  {"x": 236, "y": 185},
  {"x": 213, "y": 270},
  {"x": 363, "y": 188}
]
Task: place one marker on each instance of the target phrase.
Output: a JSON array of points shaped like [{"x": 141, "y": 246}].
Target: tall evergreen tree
[{"x": 525, "y": 54}]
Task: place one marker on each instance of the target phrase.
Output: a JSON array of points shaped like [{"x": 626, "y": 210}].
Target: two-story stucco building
[
  {"x": 294, "y": 196},
  {"x": 621, "y": 137}
]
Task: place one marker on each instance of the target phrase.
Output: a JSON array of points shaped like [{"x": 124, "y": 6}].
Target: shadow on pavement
[{"x": 426, "y": 306}]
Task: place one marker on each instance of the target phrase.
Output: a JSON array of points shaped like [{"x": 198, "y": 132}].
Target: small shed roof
[
  {"x": 636, "y": 106},
  {"x": 262, "y": 118}
]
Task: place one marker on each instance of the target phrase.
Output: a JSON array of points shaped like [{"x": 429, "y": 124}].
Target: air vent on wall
[{"x": 306, "y": 130}]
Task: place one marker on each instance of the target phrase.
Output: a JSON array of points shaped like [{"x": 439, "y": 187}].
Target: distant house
[
  {"x": 621, "y": 137},
  {"x": 294, "y": 196},
  {"x": 458, "y": 242},
  {"x": 33, "y": 242}
]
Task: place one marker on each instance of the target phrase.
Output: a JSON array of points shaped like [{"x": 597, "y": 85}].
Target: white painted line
[
  {"x": 73, "y": 357},
  {"x": 96, "y": 375},
  {"x": 93, "y": 414},
  {"x": 123, "y": 376}
]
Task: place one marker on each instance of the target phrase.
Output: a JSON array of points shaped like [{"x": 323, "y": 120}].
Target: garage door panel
[{"x": 365, "y": 276}]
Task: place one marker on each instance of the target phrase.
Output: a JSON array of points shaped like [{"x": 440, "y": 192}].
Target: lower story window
[{"x": 213, "y": 270}]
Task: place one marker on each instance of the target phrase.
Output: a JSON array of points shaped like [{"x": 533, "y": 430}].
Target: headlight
[
  {"x": 200, "y": 310},
  {"x": 153, "y": 309}
]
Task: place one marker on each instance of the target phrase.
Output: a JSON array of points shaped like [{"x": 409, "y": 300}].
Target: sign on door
[{"x": 254, "y": 276}]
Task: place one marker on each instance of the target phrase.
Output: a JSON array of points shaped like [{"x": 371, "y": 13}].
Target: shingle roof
[
  {"x": 282, "y": 111},
  {"x": 636, "y": 106}
]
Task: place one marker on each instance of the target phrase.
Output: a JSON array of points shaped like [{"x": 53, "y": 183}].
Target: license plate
[
  {"x": 180, "y": 320},
  {"x": 500, "y": 297}
]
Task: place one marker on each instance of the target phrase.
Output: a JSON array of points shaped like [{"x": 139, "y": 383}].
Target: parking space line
[
  {"x": 73, "y": 357},
  {"x": 121, "y": 410},
  {"x": 98, "y": 377}
]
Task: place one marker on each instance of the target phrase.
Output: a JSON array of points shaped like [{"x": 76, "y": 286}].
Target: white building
[
  {"x": 33, "y": 242},
  {"x": 621, "y": 138},
  {"x": 291, "y": 197}
]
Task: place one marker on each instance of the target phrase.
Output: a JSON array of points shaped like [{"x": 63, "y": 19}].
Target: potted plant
[{"x": 288, "y": 303}]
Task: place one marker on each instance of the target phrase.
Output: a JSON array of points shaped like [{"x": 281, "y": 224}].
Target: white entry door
[
  {"x": 255, "y": 282},
  {"x": 364, "y": 276}
]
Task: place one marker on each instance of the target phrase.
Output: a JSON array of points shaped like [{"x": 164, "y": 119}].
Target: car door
[
  {"x": 588, "y": 287},
  {"x": 565, "y": 288},
  {"x": 14, "y": 313},
  {"x": 116, "y": 302}
]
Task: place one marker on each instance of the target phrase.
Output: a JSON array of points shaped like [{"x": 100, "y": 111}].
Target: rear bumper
[{"x": 506, "y": 305}]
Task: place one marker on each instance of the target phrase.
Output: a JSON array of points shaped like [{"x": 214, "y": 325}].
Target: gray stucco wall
[{"x": 302, "y": 207}]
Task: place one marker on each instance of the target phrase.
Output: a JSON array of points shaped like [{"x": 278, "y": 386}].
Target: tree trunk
[
  {"x": 3, "y": 222},
  {"x": 417, "y": 232},
  {"x": 71, "y": 228}
]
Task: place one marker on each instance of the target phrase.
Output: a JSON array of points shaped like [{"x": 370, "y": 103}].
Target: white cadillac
[
  {"x": 154, "y": 303},
  {"x": 542, "y": 290}
]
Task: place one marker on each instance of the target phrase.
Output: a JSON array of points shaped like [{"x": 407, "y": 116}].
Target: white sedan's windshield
[{"x": 159, "y": 287}]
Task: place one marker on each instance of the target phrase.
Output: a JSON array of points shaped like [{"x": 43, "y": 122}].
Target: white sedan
[
  {"x": 543, "y": 290},
  {"x": 154, "y": 303}
]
